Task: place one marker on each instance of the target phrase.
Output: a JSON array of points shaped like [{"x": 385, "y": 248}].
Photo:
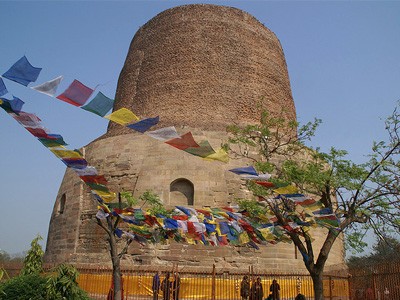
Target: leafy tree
[
  {"x": 385, "y": 250},
  {"x": 363, "y": 196},
  {"x": 34, "y": 258},
  {"x": 62, "y": 284}
]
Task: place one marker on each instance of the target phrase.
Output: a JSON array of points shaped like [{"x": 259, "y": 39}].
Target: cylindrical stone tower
[{"x": 200, "y": 68}]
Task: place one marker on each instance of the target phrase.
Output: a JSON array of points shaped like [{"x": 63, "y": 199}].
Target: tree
[
  {"x": 34, "y": 258},
  {"x": 362, "y": 196},
  {"x": 385, "y": 250},
  {"x": 110, "y": 222}
]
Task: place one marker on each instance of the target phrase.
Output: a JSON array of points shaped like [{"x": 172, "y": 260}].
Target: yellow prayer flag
[
  {"x": 1, "y": 102},
  {"x": 219, "y": 154},
  {"x": 106, "y": 196},
  {"x": 290, "y": 189},
  {"x": 66, "y": 153},
  {"x": 244, "y": 238},
  {"x": 267, "y": 234},
  {"x": 122, "y": 116}
]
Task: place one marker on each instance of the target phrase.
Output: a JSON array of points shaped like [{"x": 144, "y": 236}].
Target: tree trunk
[
  {"x": 318, "y": 285},
  {"x": 116, "y": 264}
]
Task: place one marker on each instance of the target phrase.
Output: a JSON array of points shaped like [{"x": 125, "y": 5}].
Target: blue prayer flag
[
  {"x": 12, "y": 106},
  {"x": 184, "y": 210},
  {"x": 3, "y": 89},
  {"x": 245, "y": 170},
  {"x": 170, "y": 223},
  {"x": 22, "y": 72},
  {"x": 118, "y": 232},
  {"x": 144, "y": 125},
  {"x": 99, "y": 105}
]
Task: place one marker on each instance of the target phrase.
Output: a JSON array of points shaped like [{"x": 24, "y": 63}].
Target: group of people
[
  {"x": 255, "y": 291},
  {"x": 169, "y": 286}
]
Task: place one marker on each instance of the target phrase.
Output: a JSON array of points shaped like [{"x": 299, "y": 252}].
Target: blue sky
[{"x": 343, "y": 60}]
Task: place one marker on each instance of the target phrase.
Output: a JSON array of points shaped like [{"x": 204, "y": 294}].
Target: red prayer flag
[
  {"x": 184, "y": 142},
  {"x": 99, "y": 179},
  {"x": 76, "y": 94},
  {"x": 266, "y": 184}
]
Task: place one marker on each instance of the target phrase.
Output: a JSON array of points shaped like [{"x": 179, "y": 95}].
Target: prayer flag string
[{"x": 78, "y": 94}]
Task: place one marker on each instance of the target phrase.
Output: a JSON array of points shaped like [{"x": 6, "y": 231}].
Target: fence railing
[
  {"x": 207, "y": 285},
  {"x": 376, "y": 282}
]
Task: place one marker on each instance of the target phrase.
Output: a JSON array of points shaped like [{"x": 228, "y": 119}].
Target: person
[
  {"x": 245, "y": 288},
  {"x": 369, "y": 294},
  {"x": 275, "y": 290},
  {"x": 166, "y": 287},
  {"x": 256, "y": 292},
  {"x": 300, "y": 297},
  {"x": 156, "y": 285},
  {"x": 176, "y": 285}
]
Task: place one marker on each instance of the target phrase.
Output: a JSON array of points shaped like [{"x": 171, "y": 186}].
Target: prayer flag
[
  {"x": 184, "y": 210},
  {"x": 50, "y": 142},
  {"x": 183, "y": 142},
  {"x": 244, "y": 170},
  {"x": 38, "y": 132},
  {"x": 170, "y": 223},
  {"x": 163, "y": 134},
  {"x": 66, "y": 153},
  {"x": 257, "y": 177},
  {"x": 27, "y": 119},
  {"x": 75, "y": 163},
  {"x": 144, "y": 125},
  {"x": 266, "y": 184},
  {"x": 106, "y": 196},
  {"x": 118, "y": 232},
  {"x": 12, "y": 106},
  {"x": 49, "y": 87},
  {"x": 122, "y": 116},
  {"x": 88, "y": 171},
  {"x": 220, "y": 155},
  {"x": 99, "y": 179},
  {"x": 290, "y": 189},
  {"x": 76, "y": 94},
  {"x": 22, "y": 72},
  {"x": 204, "y": 150},
  {"x": 99, "y": 105},
  {"x": 3, "y": 89},
  {"x": 101, "y": 214}
]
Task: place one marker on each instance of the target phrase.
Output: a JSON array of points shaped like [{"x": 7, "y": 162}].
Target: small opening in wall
[
  {"x": 182, "y": 192},
  {"x": 61, "y": 205}
]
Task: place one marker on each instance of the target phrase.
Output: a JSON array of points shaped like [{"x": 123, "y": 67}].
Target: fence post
[{"x": 213, "y": 283}]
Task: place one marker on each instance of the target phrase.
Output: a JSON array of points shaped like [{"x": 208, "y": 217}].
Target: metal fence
[
  {"x": 205, "y": 285},
  {"x": 376, "y": 282}
]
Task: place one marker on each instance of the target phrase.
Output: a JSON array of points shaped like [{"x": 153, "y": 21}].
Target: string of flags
[
  {"x": 78, "y": 94},
  {"x": 209, "y": 226}
]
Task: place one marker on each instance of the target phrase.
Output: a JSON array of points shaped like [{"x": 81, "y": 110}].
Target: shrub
[{"x": 24, "y": 287}]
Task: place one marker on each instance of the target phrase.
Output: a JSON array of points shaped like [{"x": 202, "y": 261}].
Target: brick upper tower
[
  {"x": 200, "y": 68},
  {"x": 204, "y": 66}
]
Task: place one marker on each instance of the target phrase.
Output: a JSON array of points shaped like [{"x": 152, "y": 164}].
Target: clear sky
[{"x": 343, "y": 60}]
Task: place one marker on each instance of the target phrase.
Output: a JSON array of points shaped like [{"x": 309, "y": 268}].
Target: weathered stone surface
[{"x": 200, "y": 67}]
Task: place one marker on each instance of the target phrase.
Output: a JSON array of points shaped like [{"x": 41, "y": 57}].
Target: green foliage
[
  {"x": 34, "y": 258},
  {"x": 132, "y": 201},
  {"x": 24, "y": 287},
  {"x": 385, "y": 250},
  {"x": 62, "y": 284},
  {"x": 154, "y": 203}
]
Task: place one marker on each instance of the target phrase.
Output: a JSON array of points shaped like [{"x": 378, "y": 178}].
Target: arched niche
[{"x": 181, "y": 192}]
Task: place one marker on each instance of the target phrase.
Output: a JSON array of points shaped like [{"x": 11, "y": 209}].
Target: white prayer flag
[
  {"x": 49, "y": 87},
  {"x": 164, "y": 134}
]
